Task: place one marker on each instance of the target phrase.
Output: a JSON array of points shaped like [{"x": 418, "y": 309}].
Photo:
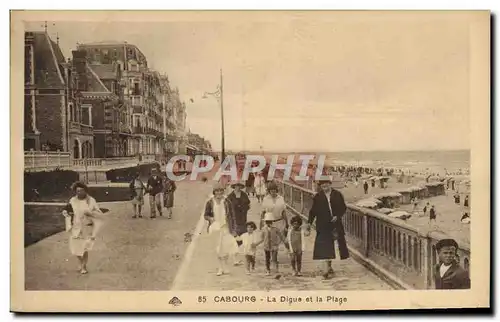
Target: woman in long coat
[
  {"x": 219, "y": 214},
  {"x": 327, "y": 210},
  {"x": 83, "y": 219},
  {"x": 241, "y": 204}
]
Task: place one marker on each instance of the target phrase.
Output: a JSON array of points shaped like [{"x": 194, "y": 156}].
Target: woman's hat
[
  {"x": 237, "y": 183},
  {"x": 272, "y": 186},
  {"x": 268, "y": 216},
  {"x": 218, "y": 187}
]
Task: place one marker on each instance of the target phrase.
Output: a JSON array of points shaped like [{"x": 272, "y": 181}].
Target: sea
[{"x": 425, "y": 161}]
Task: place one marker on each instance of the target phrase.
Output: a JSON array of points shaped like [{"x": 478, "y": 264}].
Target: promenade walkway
[
  {"x": 129, "y": 254},
  {"x": 198, "y": 270},
  {"x": 160, "y": 254}
]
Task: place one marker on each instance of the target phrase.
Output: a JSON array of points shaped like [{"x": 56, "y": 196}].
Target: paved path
[
  {"x": 200, "y": 265},
  {"x": 145, "y": 254},
  {"x": 130, "y": 254}
]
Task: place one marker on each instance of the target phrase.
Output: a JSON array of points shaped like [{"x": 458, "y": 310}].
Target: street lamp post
[{"x": 219, "y": 95}]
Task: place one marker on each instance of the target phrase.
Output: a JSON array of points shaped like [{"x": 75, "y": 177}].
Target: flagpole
[{"x": 223, "y": 152}]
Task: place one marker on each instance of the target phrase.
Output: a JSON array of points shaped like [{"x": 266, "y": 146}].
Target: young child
[
  {"x": 272, "y": 238},
  {"x": 448, "y": 274},
  {"x": 296, "y": 244},
  {"x": 250, "y": 240}
]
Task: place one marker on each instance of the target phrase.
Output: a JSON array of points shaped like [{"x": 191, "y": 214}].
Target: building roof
[
  {"x": 48, "y": 57},
  {"x": 105, "y": 71},
  {"x": 105, "y": 43},
  {"x": 95, "y": 84}
]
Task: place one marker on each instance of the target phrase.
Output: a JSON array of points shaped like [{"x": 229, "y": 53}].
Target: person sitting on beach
[{"x": 465, "y": 218}]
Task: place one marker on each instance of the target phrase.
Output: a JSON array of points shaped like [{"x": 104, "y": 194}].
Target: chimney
[{"x": 80, "y": 66}]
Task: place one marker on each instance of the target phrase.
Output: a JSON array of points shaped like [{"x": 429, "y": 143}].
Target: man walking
[
  {"x": 155, "y": 189},
  {"x": 327, "y": 210}
]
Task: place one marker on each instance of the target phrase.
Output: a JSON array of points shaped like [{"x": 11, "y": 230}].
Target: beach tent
[
  {"x": 389, "y": 198},
  {"x": 399, "y": 215},
  {"x": 405, "y": 196},
  {"x": 369, "y": 203},
  {"x": 383, "y": 181},
  {"x": 435, "y": 189}
]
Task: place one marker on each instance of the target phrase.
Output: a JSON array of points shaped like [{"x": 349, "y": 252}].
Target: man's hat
[
  {"x": 448, "y": 242},
  {"x": 237, "y": 183},
  {"x": 322, "y": 181}
]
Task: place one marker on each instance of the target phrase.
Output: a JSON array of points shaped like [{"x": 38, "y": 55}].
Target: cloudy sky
[{"x": 300, "y": 82}]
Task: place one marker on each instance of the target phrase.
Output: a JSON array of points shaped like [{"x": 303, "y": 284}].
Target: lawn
[{"x": 41, "y": 222}]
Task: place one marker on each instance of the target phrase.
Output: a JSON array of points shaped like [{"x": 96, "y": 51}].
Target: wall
[
  {"x": 48, "y": 119},
  {"x": 99, "y": 149}
]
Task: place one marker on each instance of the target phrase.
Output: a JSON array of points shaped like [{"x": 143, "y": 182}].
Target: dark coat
[
  {"x": 241, "y": 206},
  {"x": 326, "y": 231},
  {"x": 455, "y": 278},
  {"x": 168, "y": 194},
  {"x": 155, "y": 186},
  {"x": 230, "y": 218}
]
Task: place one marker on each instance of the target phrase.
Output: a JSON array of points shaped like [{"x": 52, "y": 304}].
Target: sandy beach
[{"x": 448, "y": 213}]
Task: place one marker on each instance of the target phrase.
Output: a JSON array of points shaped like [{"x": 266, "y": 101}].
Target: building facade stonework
[{"x": 102, "y": 102}]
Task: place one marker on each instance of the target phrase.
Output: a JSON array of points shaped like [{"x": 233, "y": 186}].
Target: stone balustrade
[{"x": 400, "y": 253}]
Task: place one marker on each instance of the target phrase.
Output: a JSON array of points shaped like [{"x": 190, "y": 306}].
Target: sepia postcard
[{"x": 249, "y": 161}]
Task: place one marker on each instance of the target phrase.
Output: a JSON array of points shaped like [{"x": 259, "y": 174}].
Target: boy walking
[
  {"x": 296, "y": 244},
  {"x": 272, "y": 238},
  {"x": 155, "y": 189}
]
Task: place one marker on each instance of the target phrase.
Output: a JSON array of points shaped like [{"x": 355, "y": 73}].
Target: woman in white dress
[
  {"x": 275, "y": 204},
  {"x": 83, "y": 221},
  {"x": 219, "y": 214}
]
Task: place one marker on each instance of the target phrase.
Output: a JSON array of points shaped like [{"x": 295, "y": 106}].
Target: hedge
[
  {"x": 127, "y": 174},
  {"x": 38, "y": 185}
]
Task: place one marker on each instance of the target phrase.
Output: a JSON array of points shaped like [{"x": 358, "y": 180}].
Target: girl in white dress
[
  {"x": 219, "y": 214},
  {"x": 83, "y": 221}
]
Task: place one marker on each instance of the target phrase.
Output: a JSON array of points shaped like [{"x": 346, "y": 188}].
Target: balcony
[
  {"x": 86, "y": 129},
  {"x": 78, "y": 128},
  {"x": 136, "y": 100},
  {"x": 137, "y": 130}
]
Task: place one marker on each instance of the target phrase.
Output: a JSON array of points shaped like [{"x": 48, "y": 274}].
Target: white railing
[{"x": 46, "y": 160}]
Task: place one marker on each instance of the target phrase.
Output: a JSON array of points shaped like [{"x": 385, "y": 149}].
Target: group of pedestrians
[
  {"x": 160, "y": 189},
  {"x": 227, "y": 218}
]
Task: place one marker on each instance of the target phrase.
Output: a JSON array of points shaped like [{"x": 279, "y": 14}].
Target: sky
[{"x": 299, "y": 82}]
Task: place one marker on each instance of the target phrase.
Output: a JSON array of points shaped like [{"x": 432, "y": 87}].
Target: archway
[{"x": 76, "y": 149}]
